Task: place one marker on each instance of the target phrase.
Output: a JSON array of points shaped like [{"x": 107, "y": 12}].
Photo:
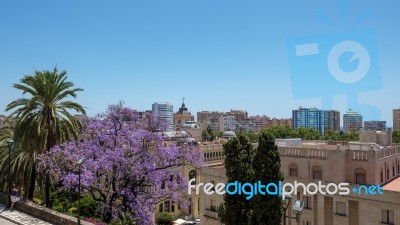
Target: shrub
[{"x": 164, "y": 218}]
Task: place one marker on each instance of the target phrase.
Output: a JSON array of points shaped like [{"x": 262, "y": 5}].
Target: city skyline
[{"x": 236, "y": 57}]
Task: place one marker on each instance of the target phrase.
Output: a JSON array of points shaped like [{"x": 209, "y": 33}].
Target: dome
[{"x": 228, "y": 134}]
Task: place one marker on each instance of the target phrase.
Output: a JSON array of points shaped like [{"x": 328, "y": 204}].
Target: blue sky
[{"x": 220, "y": 54}]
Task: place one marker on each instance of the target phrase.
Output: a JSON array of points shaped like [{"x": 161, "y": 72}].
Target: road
[{"x": 6, "y": 222}]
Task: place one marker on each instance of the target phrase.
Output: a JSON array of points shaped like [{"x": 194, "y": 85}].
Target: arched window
[
  {"x": 193, "y": 175},
  {"x": 360, "y": 176},
  {"x": 316, "y": 172},
  {"x": 293, "y": 170}
]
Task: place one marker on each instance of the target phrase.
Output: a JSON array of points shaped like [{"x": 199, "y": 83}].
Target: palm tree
[
  {"x": 45, "y": 120},
  {"x": 22, "y": 160}
]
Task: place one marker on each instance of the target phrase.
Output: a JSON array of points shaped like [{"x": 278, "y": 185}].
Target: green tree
[
  {"x": 44, "y": 119},
  {"x": 306, "y": 133},
  {"x": 280, "y": 131},
  {"x": 21, "y": 162},
  {"x": 238, "y": 152},
  {"x": 396, "y": 136},
  {"x": 207, "y": 134},
  {"x": 267, "y": 209},
  {"x": 217, "y": 133}
]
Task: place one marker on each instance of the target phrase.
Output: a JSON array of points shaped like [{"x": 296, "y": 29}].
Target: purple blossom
[{"x": 126, "y": 166}]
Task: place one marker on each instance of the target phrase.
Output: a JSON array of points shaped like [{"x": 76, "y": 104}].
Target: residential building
[
  {"x": 238, "y": 114},
  {"x": 321, "y": 120},
  {"x": 396, "y": 119},
  {"x": 207, "y": 118},
  {"x": 165, "y": 111},
  {"x": 374, "y": 125},
  {"x": 352, "y": 121},
  {"x": 226, "y": 123}
]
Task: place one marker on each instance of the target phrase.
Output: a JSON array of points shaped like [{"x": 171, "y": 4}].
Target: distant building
[
  {"x": 396, "y": 119},
  {"x": 352, "y": 121},
  {"x": 374, "y": 125},
  {"x": 321, "y": 120},
  {"x": 182, "y": 116},
  {"x": 238, "y": 114},
  {"x": 226, "y": 123},
  {"x": 205, "y": 118},
  {"x": 164, "y": 110}
]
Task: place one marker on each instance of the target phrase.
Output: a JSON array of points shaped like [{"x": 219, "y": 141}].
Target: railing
[
  {"x": 213, "y": 156},
  {"x": 304, "y": 153},
  {"x": 388, "y": 151},
  {"x": 360, "y": 155}
]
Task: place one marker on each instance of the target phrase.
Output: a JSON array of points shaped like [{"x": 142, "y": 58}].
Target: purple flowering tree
[{"x": 128, "y": 168}]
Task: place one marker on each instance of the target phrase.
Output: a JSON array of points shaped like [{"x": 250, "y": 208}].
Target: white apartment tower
[{"x": 164, "y": 110}]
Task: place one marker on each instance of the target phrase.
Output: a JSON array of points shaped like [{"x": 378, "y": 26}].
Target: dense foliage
[
  {"x": 310, "y": 134},
  {"x": 39, "y": 121},
  {"x": 128, "y": 166},
  {"x": 245, "y": 164}
]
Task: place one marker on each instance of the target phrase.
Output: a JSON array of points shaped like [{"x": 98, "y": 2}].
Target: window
[
  {"x": 387, "y": 216},
  {"x": 167, "y": 206},
  {"x": 161, "y": 207},
  {"x": 193, "y": 175},
  {"x": 317, "y": 172},
  {"x": 163, "y": 186},
  {"x": 381, "y": 177},
  {"x": 212, "y": 206},
  {"x": 213, "y": 183},
  {"x": 293, "y": 170},
  {"x": 198, "y": 204},
  {"x": 307, "y": 202},
  {"x": 360, "y": 178},
  {"x": 387, "y": 174},
  {"x": 393, "y": 172},
  {"x": 341, "y": 208},
  {"x": 306, "y": 222}
]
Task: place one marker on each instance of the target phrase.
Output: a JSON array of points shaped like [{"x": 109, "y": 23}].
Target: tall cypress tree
[
  {"x": 238, "y": 152},
  {"x": 266, "y": 165}
]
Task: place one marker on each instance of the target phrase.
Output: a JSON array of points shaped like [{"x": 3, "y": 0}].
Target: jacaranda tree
[{"x": 128, "y": 165}]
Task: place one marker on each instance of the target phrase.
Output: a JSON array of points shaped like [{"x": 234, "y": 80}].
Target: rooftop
[{"x": 393, "y": 185}]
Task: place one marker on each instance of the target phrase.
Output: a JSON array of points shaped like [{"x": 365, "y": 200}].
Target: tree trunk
[
  {"x": 47, "y": 184},
  {"x": 32, "y": 183}
]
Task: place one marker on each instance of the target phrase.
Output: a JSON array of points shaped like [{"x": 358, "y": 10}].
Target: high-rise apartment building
[
  {"x": 374, "y": 125},
  {"x": 352, "y": 121},
  {"x": 165, "y": 111},
  {"x": 321, "y": 120},
  {"x": 396, "y": 119}
]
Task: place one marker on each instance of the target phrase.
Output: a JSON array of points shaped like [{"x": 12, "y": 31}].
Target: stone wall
[{"x": 43, "y": 213}]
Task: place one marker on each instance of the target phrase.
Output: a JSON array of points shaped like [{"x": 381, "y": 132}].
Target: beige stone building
[
  {"x": 375, "y": 161},
  {"x": 396, "y": 119}
]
